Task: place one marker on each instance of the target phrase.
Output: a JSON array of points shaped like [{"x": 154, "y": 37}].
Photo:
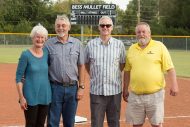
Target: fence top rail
[{"x": 87, "y": 35}]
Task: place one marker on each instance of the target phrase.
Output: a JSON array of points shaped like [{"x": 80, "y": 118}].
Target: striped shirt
[
  {"x": 64, "y": 59},
  {"x": 105, "y": 60}
]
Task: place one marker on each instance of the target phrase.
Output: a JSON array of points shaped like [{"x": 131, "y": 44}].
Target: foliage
[
  {"x": 166, "y": 17},
  {"x": 177, "y": 17},
  {"x": 23, "y": 26}
]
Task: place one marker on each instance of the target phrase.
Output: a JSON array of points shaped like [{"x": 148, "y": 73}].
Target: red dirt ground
[{"x": 177, "y": 109}]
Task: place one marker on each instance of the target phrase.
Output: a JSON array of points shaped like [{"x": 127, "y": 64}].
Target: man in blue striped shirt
[
  {"x": 105, "y": 60},
  {"x": 66, "y": 74}
]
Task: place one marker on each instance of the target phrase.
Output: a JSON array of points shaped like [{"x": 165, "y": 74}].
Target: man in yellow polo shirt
[{"x": 146, "y": 63}]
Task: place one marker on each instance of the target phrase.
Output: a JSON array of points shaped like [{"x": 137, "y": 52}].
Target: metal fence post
[{"x": 4, "y": 40}]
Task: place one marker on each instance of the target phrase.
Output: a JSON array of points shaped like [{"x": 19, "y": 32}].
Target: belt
[{"x": 71, "y": 83}]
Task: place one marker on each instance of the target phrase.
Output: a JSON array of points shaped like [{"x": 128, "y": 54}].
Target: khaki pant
[{"x": 149, "y": 105}]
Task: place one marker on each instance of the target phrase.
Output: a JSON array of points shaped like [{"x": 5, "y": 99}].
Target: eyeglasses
[{"x": 105, "y": 25}]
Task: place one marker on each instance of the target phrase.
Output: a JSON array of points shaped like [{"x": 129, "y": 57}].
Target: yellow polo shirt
[{"x": 147, "y": 67}]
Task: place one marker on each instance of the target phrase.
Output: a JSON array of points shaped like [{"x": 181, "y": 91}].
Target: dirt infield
[{"x": 177, "y": 109}]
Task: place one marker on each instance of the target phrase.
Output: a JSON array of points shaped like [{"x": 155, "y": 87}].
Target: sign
[{"x": 89, "y": 14}]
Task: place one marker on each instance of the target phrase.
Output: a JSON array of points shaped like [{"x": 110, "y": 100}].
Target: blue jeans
[{"x": 64, "y": 102}]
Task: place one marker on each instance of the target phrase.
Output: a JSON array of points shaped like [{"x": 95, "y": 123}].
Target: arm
[
  {"x": 22, "y": 99},
  {"x": 81, "y": 69},
  {"x": 172, "y": 78},
  {"x": 81, "y": 73},
  {"x": 168, "y": 66},
  {"x": 87, "y": 60},
  {"x": 22, "y": 64},
  {"x": 122, "y": 65},
  {"x": 80, "y": 92},
  {"x": 122, "y": 57},
  {"x": 126, "y": 85},
  {"x": 87, "y": 63},
  {"x": 87, "y": 66}
]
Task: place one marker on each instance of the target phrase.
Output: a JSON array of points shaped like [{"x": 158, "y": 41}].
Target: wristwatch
[{"x": 81, "y": 86}]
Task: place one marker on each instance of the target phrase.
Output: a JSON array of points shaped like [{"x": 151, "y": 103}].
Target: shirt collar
[
  {"x": 151, "y": 42},
  {"x": 70, "y": 40},
  {"x": 109, "y": 42}
]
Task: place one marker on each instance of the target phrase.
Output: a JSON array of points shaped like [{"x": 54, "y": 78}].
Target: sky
[{"x": 122, "y": 3}]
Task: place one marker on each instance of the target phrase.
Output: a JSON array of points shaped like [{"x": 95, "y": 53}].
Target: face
[
  {"x": 105, "y": 27},
  {"x": 38, "y": 40},
  {"x": 142, "y": 34},
  {"x": 62, "y": 28}
]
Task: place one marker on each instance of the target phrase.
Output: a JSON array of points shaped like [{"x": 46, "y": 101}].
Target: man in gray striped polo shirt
[
  {"x": 105, "y": 60},
  {"x": 66, "y": 74}
]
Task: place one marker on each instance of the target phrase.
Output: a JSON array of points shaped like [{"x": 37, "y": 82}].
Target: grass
[
  {"x": 10, "y": 54},
  {"x": 181, "y": 58}
]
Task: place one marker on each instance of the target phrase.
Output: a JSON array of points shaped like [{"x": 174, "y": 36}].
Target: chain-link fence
[{"x": 171, "y": 42}]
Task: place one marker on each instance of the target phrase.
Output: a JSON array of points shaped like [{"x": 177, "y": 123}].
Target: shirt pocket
[
  {"x": 73, "y": 56},
  {"x": 116, "y": 61},
  {"x": 53, "y": 55},
  {"x": 96, "y": 61}
]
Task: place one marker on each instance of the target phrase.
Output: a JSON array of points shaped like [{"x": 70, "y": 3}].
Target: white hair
[
  {"x": 145, "y": 24},
  {"x": 39, "y": 29},
  {"x": 64, "y": 18},
  {"x": 105, "y": 17}
]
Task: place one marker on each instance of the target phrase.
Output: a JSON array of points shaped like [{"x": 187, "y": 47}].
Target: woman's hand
[{"x": 23, "y": 103}]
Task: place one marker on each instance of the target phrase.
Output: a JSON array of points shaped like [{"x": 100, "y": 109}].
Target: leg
[
  {"x": 55, "y": 108},
  {"x": 113, "y": 110},
  {"x": 42, "y": 114},
  {"x": 98, "y": 108},
  {"x": 70, "y": 106},
  {"x": 31, "y": 116},
  {"x": 155, "y": 108},
  {"x": 160, "y": 125},
  {"x": 135, "y": 112}
]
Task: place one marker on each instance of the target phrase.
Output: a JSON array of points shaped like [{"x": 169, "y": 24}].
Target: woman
[{"x": 35, "y": 91}]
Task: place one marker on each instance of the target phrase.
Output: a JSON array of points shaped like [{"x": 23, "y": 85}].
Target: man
[
  {"x": 105, "y": 60},
  {"x": 146, "y": 63},
  {"x": 66, "y": 64}
]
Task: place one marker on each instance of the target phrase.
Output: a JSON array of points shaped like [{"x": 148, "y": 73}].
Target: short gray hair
[
  {"x": 39, "y": 29},
  {"x": 145, "y": 24},
  {"x": 63, "y": 17},
  {"x": 106, "y": 17}
]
